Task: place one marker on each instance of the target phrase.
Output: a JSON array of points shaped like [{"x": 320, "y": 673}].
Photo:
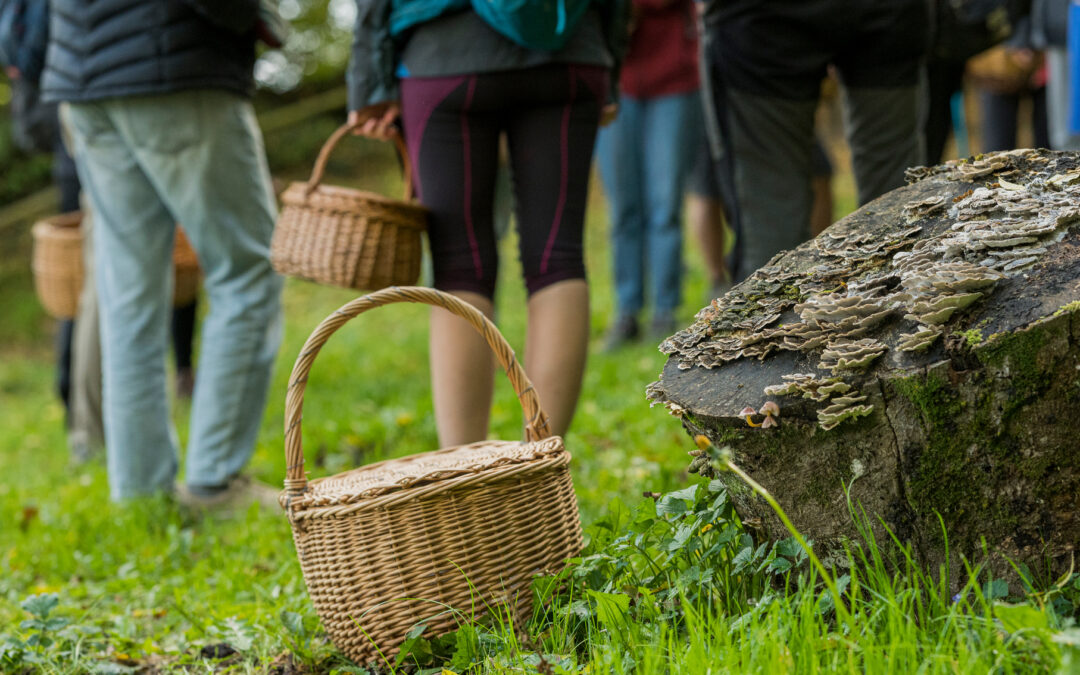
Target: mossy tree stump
[{"x": 924, "y": 353}]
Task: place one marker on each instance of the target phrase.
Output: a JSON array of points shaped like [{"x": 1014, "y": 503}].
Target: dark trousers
[
  {"x": 765, "y": 100},
  {"x": 1000, "y": 119},
  {"x": 452, "y": 127}
]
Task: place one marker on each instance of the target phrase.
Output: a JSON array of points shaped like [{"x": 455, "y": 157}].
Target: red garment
[{"x": 663, "y": 56}]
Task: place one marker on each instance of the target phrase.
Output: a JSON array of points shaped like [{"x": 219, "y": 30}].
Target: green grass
[{"x": 672, "y": 586}]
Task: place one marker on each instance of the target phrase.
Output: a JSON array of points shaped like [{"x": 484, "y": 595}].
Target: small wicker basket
[
  {"x": 346, "y": 237},
  {"x": 57, "y": 263},
  {"x": 435, "y": 538}
]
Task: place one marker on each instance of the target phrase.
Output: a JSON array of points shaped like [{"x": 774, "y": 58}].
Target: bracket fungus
[{"x": 847, "y": 330}]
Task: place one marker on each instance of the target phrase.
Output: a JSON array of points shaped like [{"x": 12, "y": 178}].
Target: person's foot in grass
[
  {"x": 662, "y": 326},
  {"x": 624, "y": 331},
  {"x": 235, "y": 496}
]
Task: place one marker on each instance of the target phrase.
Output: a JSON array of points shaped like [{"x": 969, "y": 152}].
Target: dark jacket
[
  {"x": 381, "y": 26},
  {"x": 24, "y": 33},
  {"x": 117, "y": 48}
]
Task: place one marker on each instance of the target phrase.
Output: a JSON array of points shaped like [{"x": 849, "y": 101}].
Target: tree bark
[{"x": 976, "y": 436}]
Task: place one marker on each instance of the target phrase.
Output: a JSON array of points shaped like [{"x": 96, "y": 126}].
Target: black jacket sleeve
[
  {"x": 236, "y": 15},
  {"x": 370, "y": 76}
]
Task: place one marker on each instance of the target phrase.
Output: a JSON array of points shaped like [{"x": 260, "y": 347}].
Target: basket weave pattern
[
  {"x": 346, "y": 237},
  {"x": 399, "y": 542},
  {"x": 58, "y": 265}
]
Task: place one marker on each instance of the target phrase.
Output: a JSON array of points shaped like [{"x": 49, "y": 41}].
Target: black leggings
[{"x": 452, "y": 126}]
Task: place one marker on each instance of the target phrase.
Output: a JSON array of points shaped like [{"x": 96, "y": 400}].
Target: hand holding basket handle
[
  {"x": 536, "y": 422},
  {"x": 342, "y": 236},
  {"x": 354, "y": 125}
]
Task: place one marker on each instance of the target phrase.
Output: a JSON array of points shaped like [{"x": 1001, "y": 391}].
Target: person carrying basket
[{"x": 458, "y": 75}]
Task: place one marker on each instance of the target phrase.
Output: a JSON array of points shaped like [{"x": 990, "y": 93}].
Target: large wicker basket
[
  {"x": 58, "y": 265},
  {"x": 435, "y": 538},
  {"x": 346, "y": 237}
]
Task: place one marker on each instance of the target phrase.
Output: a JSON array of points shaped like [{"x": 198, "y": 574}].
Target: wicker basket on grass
[
  {"x": 347, "y": 237},
  {"x": 435, "y": 538},
  {"x": 57, "y": 264}
]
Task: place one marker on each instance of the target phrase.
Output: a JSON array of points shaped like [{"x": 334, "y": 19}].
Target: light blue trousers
[
  {"x": 197, "y": 158},
  {"x": 644, "y": 157}
]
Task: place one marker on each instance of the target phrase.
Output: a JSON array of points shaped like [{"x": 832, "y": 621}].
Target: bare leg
[
  {"x": 462, "y": 374},
  {"x": 706, "y": 217},
  {"x": 556, "y": 347}
]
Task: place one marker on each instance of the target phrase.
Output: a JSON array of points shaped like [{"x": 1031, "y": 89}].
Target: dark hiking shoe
[
  {"x": 624, "y": 331},
  {"x": 662, "y": 326}
]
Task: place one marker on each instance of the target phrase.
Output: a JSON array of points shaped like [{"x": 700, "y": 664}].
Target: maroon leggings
[{"x": 452, "y": 127}]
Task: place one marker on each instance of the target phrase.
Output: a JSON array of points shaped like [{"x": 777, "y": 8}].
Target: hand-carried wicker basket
[
  {"x": 346, "y": 237},
  {"x": 438, "y": 537},
  {"x": 58, "y": 265}
]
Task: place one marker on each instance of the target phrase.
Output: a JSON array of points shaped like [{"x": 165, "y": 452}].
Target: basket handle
[
  {"x": 536, "y": 422},
  {"x": 335, "y": 138}
]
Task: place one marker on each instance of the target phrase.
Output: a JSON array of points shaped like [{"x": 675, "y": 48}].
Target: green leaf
[
  {"x": 670, "y": 506},
  {"x": 1019, "y": 617},
  {"x": 789, "y": 548},
  {"x": 717, "y": 486},
  {"x": 779, "y": 566},
  {"x": 688, "y": 494},
  {"x": 416, "y": 631},
  {"x": 294, "y": 623},
  {"x": 611, "y": 608},
  {"x": 40, "y": 605},
  {"x": 996, "y": 589},
  {"x": 742, "y": 559}
]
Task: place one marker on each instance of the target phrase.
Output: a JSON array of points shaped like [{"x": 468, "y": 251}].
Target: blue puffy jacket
[
  {"x": 116, "y": 48},
  {"x": 381, "y": 23}
]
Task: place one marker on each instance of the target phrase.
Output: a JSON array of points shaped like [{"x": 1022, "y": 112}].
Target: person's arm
[
  {"x": 370, "y": 76},
  {"x": 239, "y": 16},
  {"x": 615, "y": 15}
]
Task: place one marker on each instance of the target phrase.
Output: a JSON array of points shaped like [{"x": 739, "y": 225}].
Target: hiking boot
[
  {"x": 662, "y": 327},
  {"x": 624, "y": 331},
  {"x": 236, "y": 496}
]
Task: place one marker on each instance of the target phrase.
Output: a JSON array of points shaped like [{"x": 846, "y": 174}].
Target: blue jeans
[
  {"x": 644, "y": 158},
  {"x": 146, "y": 163}
]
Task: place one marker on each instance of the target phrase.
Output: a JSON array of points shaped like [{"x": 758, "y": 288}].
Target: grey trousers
[
  {"x": 86, "y": 433},
  {"x": 770, "y": 143}
]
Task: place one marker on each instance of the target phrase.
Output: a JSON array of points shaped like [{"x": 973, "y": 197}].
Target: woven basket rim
[
  {"x": 297, "y": 195},
  {"x": 46, "y": 229},
  {"x": 69, "y": 220},
  {"x": 501, "y": 455}
]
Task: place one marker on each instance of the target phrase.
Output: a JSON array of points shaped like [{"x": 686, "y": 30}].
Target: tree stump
[{"x": 923, "y": 354}]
